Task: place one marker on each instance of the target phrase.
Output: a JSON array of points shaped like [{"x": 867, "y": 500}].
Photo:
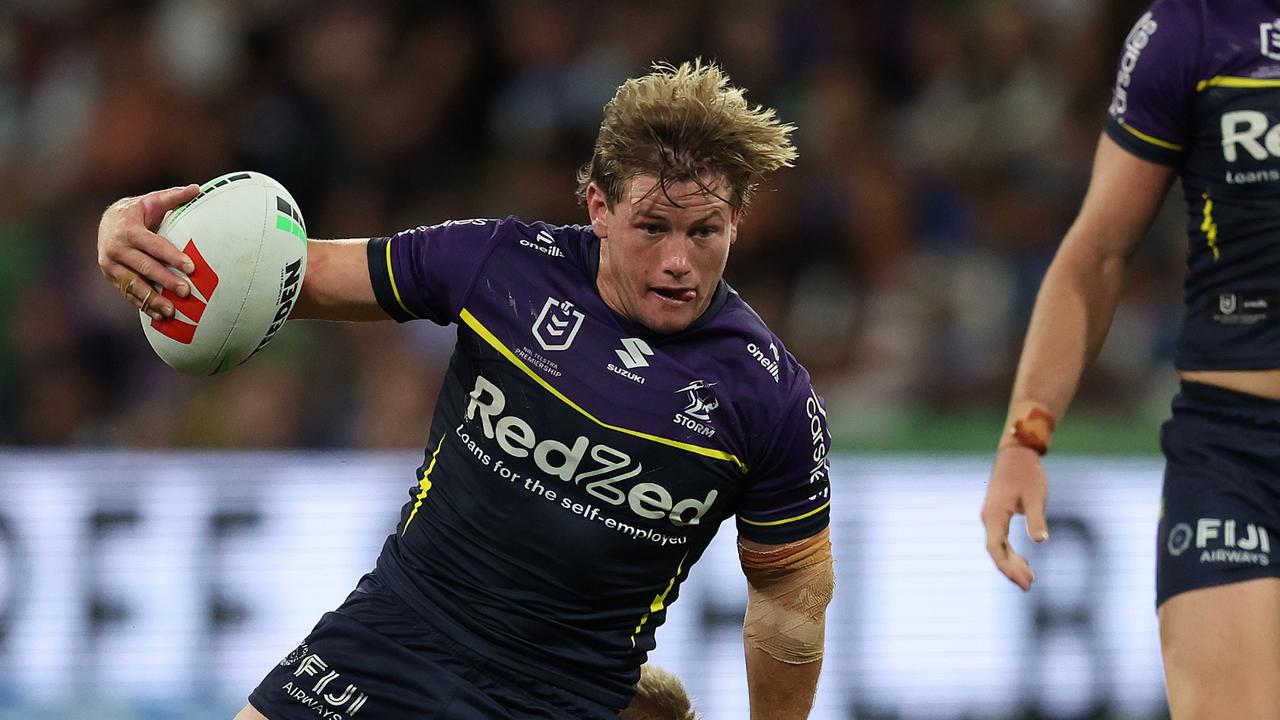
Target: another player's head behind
[
  {"x": 659, "y": 696},
  {"x": 679, "y": 154}
]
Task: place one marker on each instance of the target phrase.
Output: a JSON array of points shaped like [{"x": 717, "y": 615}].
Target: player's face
[{"x": 661, "y": 254}]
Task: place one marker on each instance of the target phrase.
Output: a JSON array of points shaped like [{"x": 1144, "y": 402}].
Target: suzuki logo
[
  {"x": 699, "y": 407},
  {"x": 633, "y": 353},
  {"x": 557, "y": 325},
  {"x": 203, "y": 279}
]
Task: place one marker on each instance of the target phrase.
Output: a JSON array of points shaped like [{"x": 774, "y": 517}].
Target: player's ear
[{"x": 598, "y": 210}]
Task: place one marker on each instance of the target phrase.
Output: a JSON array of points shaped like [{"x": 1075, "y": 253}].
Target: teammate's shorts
[
  {"x": 1220, "y": 515},
  {"x": 374, "y": 659}
]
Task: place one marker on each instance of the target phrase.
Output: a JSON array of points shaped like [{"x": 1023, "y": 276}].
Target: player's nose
[{"x": 676, "y": 259}]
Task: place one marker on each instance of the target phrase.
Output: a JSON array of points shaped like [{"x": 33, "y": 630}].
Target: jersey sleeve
[
  {"x": 1151, "y": 104},
  {"x": 789, "y": 497},
  {"x": 427, "y": 272}
]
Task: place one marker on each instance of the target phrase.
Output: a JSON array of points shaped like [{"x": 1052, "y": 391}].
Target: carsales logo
[
  {"x": 204, "y": 281},
  {"x": 1137, "y": 41}
]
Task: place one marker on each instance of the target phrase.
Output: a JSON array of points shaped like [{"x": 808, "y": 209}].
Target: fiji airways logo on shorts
[
  {"x": 300, "y": 652},
  {"x": 323, "y": 696},
  {"x": 1222, "y": 541},
  {"x": 1269, "y": 39},
  {"x": 557, "y": 325}
]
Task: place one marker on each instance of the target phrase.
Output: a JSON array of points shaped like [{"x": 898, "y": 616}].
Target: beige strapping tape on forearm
[{"x": 788, "y": 590}]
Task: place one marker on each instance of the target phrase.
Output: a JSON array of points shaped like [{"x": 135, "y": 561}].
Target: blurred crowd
[{"x": 944, "y": 149}]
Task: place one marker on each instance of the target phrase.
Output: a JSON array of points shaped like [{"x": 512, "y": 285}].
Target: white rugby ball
[{"x": 249, "y": 244}]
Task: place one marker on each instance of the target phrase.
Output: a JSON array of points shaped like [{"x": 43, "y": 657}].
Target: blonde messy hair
[
  {"x": 659, "y": 696},
  {"x": 686, "y": 123}
]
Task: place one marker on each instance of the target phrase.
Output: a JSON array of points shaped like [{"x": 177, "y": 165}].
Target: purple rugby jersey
[
  {"x": 579, "y": 464},
  {"x": 1198, "y": 89}
]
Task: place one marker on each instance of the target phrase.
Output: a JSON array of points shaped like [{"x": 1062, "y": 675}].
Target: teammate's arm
[
  {"x": 788, "y": 589},
  {"x": 1072, "y": 314}
]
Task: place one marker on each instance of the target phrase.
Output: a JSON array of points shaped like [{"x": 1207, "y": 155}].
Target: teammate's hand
[
  {"x": 1018, "y": 485},
  {"x": 134, "y": 259}
]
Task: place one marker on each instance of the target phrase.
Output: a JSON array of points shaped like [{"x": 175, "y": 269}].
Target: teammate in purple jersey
[
  {"x": 1197, "y": 95},
  {"x": 611, "y": 400}
]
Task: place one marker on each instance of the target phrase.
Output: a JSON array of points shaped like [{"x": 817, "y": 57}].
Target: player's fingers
[
  {"x": 1037, "y": 525},
  {"x": 148, "y": 301},
  {"x": 1009, "y": 563},
  {"x": 146, "y": 269},
  {"x": 146, "y": 244},
  {"x": 997, "y": 529},
  {"x": 1017, "y": 569},
  {"x": 117, "y": 237},
  {"x": 155, "y": 204},
  {"x": 140, "y": 294}
]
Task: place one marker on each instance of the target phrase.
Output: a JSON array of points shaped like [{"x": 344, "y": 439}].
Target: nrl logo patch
[
  {"x": 557, "y": 325},
  {"x": 1269, "y": 39}
]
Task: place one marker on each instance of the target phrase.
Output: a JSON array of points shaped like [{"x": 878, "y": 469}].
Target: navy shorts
[
  {"x": 1220, "y": 514},
  {"x": 375, "y": 659}
]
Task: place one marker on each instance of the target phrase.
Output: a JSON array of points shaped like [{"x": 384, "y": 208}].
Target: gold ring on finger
[
  {"x": 147, "y": 300},
  {"x": 126, "y": 282}
]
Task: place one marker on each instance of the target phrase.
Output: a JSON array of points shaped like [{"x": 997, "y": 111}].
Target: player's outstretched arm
[
  {"x": 789, "y": 588},
  {"x": 337, "y": 284},
  {"x": 134, "y": 258},
  {"x": 1073, "y": 312}
]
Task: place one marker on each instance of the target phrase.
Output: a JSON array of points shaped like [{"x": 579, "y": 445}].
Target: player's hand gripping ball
[{"x": 249, "y": 245}]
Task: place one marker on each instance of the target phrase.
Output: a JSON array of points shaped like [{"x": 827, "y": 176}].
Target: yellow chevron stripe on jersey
[
  {"x": 424, "y": 484},
  {"x": 659, "y": 600},
  {"x": 1149, "y": 139},
  {"x": 812, "y": 512},
  {"x": 490, "y": 338},
  {"x": 1237, "y": 82},
  {"x": 1208, "y": 226},
  {"x": 391, "y": 275}
]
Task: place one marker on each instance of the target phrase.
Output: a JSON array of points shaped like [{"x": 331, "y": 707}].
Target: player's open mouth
[{"x": 676, "y": 295}]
